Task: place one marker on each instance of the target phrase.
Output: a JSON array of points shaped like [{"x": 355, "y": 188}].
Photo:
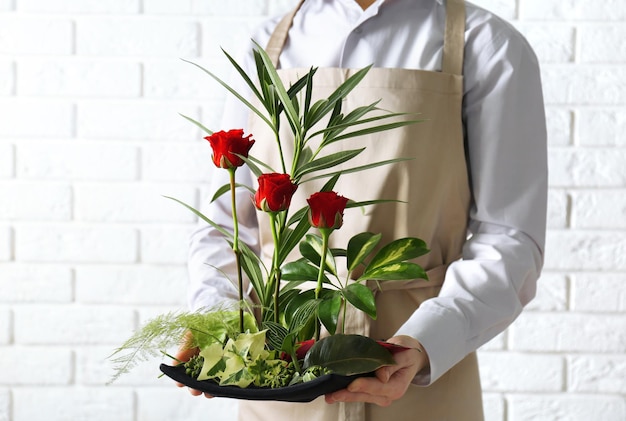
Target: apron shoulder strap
[
  {"x": 279, "y": 36},
  {"x": 454, "y": 39}
]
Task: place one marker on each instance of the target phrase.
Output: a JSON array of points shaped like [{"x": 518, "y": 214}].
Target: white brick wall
[{"x": 90, "y": 140}]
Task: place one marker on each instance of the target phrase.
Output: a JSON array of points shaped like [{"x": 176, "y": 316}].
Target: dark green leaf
[
  {"x": 276, "y": 334},
  {"x": 311, "y": 249},
  {"x": 327, "y": 161},
  {"x": 197, "y": 123},
  {"x": 329, "y": 311},
  {"x": 226, "y": 188},
  {"x": 361, "y": 297},
  {"x": 348, "y": 354},
  {"x": 300, "y": 270},
  {"x": 360, "y": 246}
]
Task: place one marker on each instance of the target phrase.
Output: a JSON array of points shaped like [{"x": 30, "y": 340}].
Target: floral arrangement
[{"x": 277, "y": 342}]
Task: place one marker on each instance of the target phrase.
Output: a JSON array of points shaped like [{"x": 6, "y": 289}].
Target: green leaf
[
  {"x": 356, "y": 169},
  {"x": 311, "y": 249},
  {"x": 361, "y": 297},
  {"x": 235, "y": 93},
  {"x": 397, "y": 251},
  {"x": 276, "y": 334},
  {"x": 292, "y": 238},
  {"x": 226, "y": 188},
  {"x": 203, "y": 217},
  {"x": 327, "y": 162},
  {"x": 348, "y": 355},
  {"x": 197, "y": 123},
  {"x": 359, "y": 247},
  {"x": 300, "y": 270},
  {"x": 395, "y": 272},
  {"x": 329, "y": 309}
]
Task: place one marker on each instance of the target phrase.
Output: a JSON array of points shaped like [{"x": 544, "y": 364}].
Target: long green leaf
[
  {"x": 203, "y": 217},
  {"x": 357, "y": 169},
  {"x": 235, "y": 93},
  {"x": 327, "y": 162},
  {"x": 290, "y": 111},
  {"x": 197, "y": 123},
  {"x": 311, "y": 249},
  {"x": 226, "y": 188},
  {"x": 300, "y": 270},
  {"x": 370, "y": 130}
]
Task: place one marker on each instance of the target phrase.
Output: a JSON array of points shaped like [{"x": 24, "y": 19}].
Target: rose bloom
[
  {"x": 326, "y": 209},
  {"x": 275, "y": 192},
  {"x": 226, "y": 144}
]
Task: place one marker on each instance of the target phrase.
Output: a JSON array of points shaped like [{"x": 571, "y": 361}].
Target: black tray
[{"x": 302, "y": 392}]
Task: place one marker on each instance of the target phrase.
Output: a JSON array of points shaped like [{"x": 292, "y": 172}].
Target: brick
[
  {"x": 131, "y": 285},
  {"x": 136, "y": 120},
  {"x": 552, "y": 43},
  {"x": 140, "y": 36},
  {"x": 165, "y": 244},
  {"x": 78, "y": 161},
  {"x": 600, "y": 43},
  {"x": 6, "y": 243},
  {"x": 598, "y": 292},
  {"x": 35, "y": 284},
  {"x": 517, "y": 372},
  {"x": 174, "y": 403},
  {"x": 584, "y": 84},
  {"x": 177, "y": 162},
  {"x": 167, "y": 7},
  {"x": 7, "y": 78},
  {"x": 35, "y": 201},
  {"x": 6, "y": 326},
  {"x": 552, "y": 293},
  {"x": 6, "y": 5},
  {"x": 95, "y": 366},
  {"x": 559, "y": 126},
  {"x": 568, "y": 332},
  {"x": 7, "y": 161},
  {"x": 597, "y": 373},
  {"x": 559, "y": 209},
  {"x": 176, "y": 79},
  {"x": 53, "y": 118},
  {"x": 35, "y": 366},
  {"x": 585, "y": 250},
  {"x": 601, "y": 127},
  {"x": 231, "y": 8},
  {"x": 79, "y": 6},
  {"x": 132, "y": 203},
  {"x": 74, "y": 243},
  {"x": 71, "y": 403},
  {"x": 37, "y": 36},
  {"x": 567, "y": 10},
  {"x": 494, "y": 407},
  {"x": 565, "y": 407},
  {"x": 599, "y": 209},
  {"x": 72, "y": 325},
  {"x": 80, "y": 78},
  {"x": 587, "y": 167}
]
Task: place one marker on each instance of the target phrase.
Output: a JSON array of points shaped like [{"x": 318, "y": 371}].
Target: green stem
[
  {"x": 280, "y": 146},
  {"x": 320, "y": 275},
  {"x": 236, "y": 246},
  {"x": 275, "y": 273}
]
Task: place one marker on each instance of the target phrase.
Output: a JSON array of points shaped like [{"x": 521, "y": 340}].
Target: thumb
[{"x": 384, "y": 373}]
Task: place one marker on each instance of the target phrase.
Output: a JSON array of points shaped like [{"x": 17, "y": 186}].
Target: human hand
[
  {"x": 183, "y": 355},
  {"x": 390, "y": 382}
]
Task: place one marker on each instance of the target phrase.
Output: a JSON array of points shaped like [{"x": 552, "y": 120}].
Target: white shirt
[{"x": 506, "y": 137}]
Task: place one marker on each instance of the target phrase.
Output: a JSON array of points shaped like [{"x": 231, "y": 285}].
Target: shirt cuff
[{"x": 441, "y": 332}]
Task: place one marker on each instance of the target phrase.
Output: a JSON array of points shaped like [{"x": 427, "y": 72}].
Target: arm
[{"x": 485, "y": 291}]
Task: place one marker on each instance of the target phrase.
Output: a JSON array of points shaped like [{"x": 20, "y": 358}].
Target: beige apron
[{"x": 435, "y": 191}]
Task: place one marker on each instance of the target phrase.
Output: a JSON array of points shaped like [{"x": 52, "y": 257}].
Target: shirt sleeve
[{"x": 502, "y": 259}]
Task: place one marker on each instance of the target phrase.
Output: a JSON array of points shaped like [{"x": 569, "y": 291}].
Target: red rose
[
  {"x": 326, "y": 209},
  {"x": 275, "y": 192},
  {"x": 226, "y": 144}
]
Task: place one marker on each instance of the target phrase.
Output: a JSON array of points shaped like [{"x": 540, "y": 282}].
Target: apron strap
[
  {"x": 279, "y": 36},
  {"x": 454, "y": 39}
]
